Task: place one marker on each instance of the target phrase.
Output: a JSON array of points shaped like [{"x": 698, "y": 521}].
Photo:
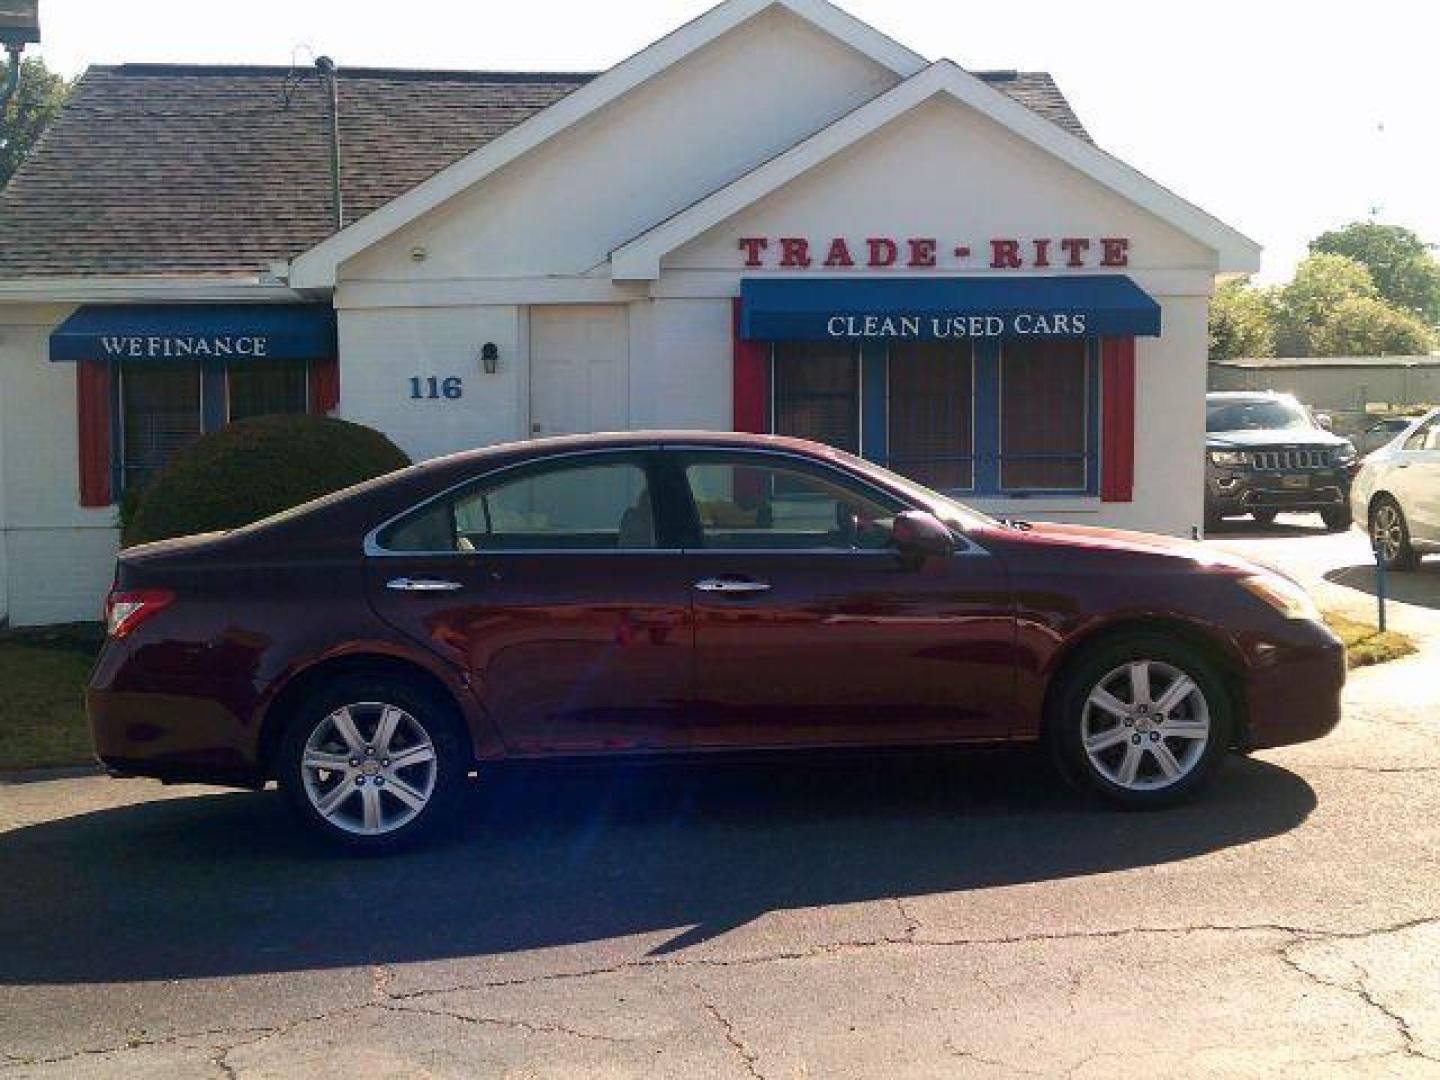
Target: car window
[
  {"x": 586, "y": 506},
  {"x": 1426, "y": 436},
  {"x": 746, "y": 503}
]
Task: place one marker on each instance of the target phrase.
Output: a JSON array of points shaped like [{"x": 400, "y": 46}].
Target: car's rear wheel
[
  {"x": 373, "y": 764},
  {"x": 1264, "y": 517},
  {"x": 1390, "y": 534},
  {"x": 1141, "y": 721}
]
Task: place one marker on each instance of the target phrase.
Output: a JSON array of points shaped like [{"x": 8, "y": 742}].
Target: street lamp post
[{"x": 19, "y": 26}]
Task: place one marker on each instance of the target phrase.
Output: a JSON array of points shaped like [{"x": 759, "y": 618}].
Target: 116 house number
[{"x": 434, "y": 388}]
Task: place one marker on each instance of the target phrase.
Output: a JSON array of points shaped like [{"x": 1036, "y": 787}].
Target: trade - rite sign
[{"x": 927, "y": 252}]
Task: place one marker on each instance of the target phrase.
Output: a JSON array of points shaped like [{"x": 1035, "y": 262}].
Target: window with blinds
[
  {"x": 266, "y": 387},
  {"x": 159, "y": 416},
  {"x": 930, "y": 411},
  {"x": 1043, "y": 405},
  {"x": 817, "y": 392}
]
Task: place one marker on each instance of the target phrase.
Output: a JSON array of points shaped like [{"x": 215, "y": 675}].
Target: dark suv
[{"x": 1265, "y": 453}]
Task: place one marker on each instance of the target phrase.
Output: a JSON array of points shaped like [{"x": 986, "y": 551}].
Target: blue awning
[
  {"x": 930, "y": 309},
  {"x": 236, "y": 332}
]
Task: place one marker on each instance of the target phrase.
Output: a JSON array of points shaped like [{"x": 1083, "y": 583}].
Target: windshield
[{"x": 1261, "y": 414}]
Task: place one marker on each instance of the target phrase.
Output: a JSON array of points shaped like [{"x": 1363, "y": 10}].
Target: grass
[
  {"x": 42, "y": 718},
  {"x": 1365, "y": 644}
]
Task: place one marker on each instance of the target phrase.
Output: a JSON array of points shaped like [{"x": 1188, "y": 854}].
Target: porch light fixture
[
  {"x": 19, "y": 26},
  {"x": 490, "y": 357}
]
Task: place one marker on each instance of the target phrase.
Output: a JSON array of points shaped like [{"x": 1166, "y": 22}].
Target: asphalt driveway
[{"x": 885, "y": 917}]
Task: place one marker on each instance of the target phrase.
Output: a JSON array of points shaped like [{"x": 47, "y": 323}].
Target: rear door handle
[
  {"x": 735, "y": 586},
  {"x": 405, "y": 584}
]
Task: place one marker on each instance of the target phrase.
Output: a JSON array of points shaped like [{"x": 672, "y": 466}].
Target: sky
[{"x": 1281, "y": 117}]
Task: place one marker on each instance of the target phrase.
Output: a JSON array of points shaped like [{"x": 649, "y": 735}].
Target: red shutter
[
  {"x": 752, "y": 383},
  {"x": 324, "y": 386},
  {"x": 1117, "y": 433},
  {"x": 92, "y": 382}
]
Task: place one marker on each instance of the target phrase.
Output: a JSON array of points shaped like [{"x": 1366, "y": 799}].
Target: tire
[
  {"x": 1390, "y": 532},
  {"x": 386, "y": 805},
  {"x": 1337, "y": 519},
  {"x": 1264, "y": 517},
  {"x": 1124, "y": 765},
  {"x": 1213, "y": 521}
]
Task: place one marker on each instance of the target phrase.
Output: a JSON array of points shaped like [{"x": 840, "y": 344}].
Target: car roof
[{"x": 622, "y": 440}]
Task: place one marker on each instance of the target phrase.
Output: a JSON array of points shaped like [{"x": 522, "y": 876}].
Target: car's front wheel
[
  {"x": 1140, "y": 720},
  {"x": 1337, "y": 519},
  {"x": 1390, "y": 534},
  {"x": 373, "y": 764}
]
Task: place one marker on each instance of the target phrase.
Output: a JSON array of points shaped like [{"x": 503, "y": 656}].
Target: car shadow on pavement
[
  {"x": 1232, "y": 529},
  {"x": 1420, "y": 586},
  {"x": 227, "y": 884}
]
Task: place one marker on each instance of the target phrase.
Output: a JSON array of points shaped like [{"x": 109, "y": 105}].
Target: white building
[{"x": 775, "y": 218}]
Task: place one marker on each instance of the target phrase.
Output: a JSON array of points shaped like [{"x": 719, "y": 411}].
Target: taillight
[{"x": 125, "y": 609}]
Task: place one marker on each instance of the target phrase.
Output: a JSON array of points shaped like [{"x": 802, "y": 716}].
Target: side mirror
[
  {"x": 1325, "y": 420},
  {"x": 919, "y": 533}
]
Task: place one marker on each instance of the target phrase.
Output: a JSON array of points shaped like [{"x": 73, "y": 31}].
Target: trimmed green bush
[{"x": 252, "y": 469}]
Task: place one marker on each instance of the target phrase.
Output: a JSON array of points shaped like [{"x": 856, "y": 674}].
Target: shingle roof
[{"x": 178, "y": 169}]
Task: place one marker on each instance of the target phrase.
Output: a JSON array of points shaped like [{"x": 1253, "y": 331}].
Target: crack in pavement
[
  {"x": 981, "y": 1059},
  {"x": 748, "y": 1056},
  {"x": 400, "y": 1002},
  {"x": 219, "y": 1051},
  {"x": 842, "y": 947},
  {"x": 912, "y": 924},
  {"x": 1360, "y": 988},
  {"x": 530, "y": 1026}
]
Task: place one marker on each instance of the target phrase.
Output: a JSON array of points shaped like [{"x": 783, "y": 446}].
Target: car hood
[
  {"x": 1231, "y": 440},
  {"x": 1128, "y": 546}
]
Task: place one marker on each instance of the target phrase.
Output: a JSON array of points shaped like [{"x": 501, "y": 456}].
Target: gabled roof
[
  {"x": 640, "y": 258},
  {"x": 317, "y": 267},
  {"x": 170, "y": 169}
]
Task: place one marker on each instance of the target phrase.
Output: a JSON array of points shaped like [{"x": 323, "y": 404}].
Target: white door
[{"x": 579, "y": 369}]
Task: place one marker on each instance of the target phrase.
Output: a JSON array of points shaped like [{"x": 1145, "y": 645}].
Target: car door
[
  {"x": 811, "y": 630},
  {"x": 1421, "y": 482},
  {"x": 553, "y": 587}
]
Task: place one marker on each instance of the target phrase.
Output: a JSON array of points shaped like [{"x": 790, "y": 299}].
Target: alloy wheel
[
  {"x": 1387, "y": 530},
  {"x": 1146, "y": 725},
  {"x": 369, "y": 768}
]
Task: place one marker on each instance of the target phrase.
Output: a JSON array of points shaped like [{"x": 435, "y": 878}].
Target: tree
[
  {"x": 1368, "y": 326},
  {"x": 38, "y": 99},
  {"x": 1321, "y": 283},
  {"x": 1403, "y": 269},
  {"x": 1242, "y": 322}
]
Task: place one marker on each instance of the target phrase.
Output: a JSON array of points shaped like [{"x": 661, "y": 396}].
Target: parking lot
[{"x": 880, "y": 917}]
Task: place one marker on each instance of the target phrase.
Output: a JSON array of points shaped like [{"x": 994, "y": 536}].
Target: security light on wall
[{"x": 490, "y": 357}]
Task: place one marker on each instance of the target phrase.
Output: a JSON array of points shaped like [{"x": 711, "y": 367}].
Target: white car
[{"x": 1396, "y": 494}]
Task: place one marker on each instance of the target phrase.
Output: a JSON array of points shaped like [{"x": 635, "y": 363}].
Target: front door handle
[
  {"x": 405, "y": 584},
  {"x": 735, "y": 586}
]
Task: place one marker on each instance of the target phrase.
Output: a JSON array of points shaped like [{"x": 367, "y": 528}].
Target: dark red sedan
[{"x": 668, "y": 592}]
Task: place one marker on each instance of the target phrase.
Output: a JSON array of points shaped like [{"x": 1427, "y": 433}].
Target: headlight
[
  {"x": 1283, "y": 595},
  {"x": 1346, "y": 455},
  {"x": 1229, "y": 457}
]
